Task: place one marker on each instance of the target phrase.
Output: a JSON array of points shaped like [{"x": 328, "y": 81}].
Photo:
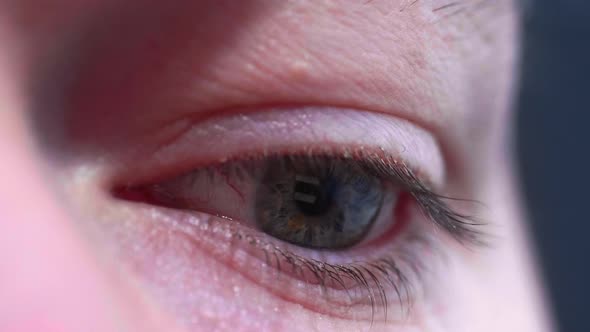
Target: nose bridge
[{"x": 49, "y": 280}]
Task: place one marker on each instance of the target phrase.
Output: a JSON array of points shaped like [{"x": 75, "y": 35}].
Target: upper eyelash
[{"x": 460, "y": 226}]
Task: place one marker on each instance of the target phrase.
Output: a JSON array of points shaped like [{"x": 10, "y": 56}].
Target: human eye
[
  {"x": 346, "y": 225},
  {"x": 279, "y": 162}
]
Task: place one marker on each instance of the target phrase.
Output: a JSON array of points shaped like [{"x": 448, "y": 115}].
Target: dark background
[{"x": 553, "y": 139}]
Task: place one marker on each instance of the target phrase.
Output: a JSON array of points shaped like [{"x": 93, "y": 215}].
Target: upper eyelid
[{"x": 315, "y": 130}]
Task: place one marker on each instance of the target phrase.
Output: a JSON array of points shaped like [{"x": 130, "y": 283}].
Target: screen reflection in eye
[{"x": 313, "y": 205}]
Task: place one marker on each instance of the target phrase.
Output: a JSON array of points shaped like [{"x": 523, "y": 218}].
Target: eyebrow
[
  {"x": 443, "y": 10},
  {"x": 441, "y": 4}
]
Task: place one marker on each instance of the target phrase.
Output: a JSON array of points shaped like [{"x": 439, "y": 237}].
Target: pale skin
[{"x": 95, "y": 93}]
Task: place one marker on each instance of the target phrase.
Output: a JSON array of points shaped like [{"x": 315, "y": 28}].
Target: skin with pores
[{"x": 99, "y": 93}]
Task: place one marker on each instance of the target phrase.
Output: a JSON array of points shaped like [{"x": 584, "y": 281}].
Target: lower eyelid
[{"x": 254, "y": 257}]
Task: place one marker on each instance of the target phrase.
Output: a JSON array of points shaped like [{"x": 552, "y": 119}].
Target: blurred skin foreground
[{"x": 260, "y": 166}]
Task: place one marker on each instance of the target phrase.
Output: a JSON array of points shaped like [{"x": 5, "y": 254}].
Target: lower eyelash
[{"x": 401, "y": 273}]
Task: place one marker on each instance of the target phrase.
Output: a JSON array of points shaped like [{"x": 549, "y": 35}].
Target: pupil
[{"x": 312, "y": 196}]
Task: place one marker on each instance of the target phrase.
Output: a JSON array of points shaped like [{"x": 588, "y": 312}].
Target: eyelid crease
[{"x": 306, "y": 130}]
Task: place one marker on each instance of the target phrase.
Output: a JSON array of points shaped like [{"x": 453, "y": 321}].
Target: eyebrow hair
[
  {"x": 448, "y": 5},
  {"x": 408, "y": 5},
  {"x": 477, "y": 12},
  {"x": 411, "y": 3},
  {"x": 457, "y": 6}
]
